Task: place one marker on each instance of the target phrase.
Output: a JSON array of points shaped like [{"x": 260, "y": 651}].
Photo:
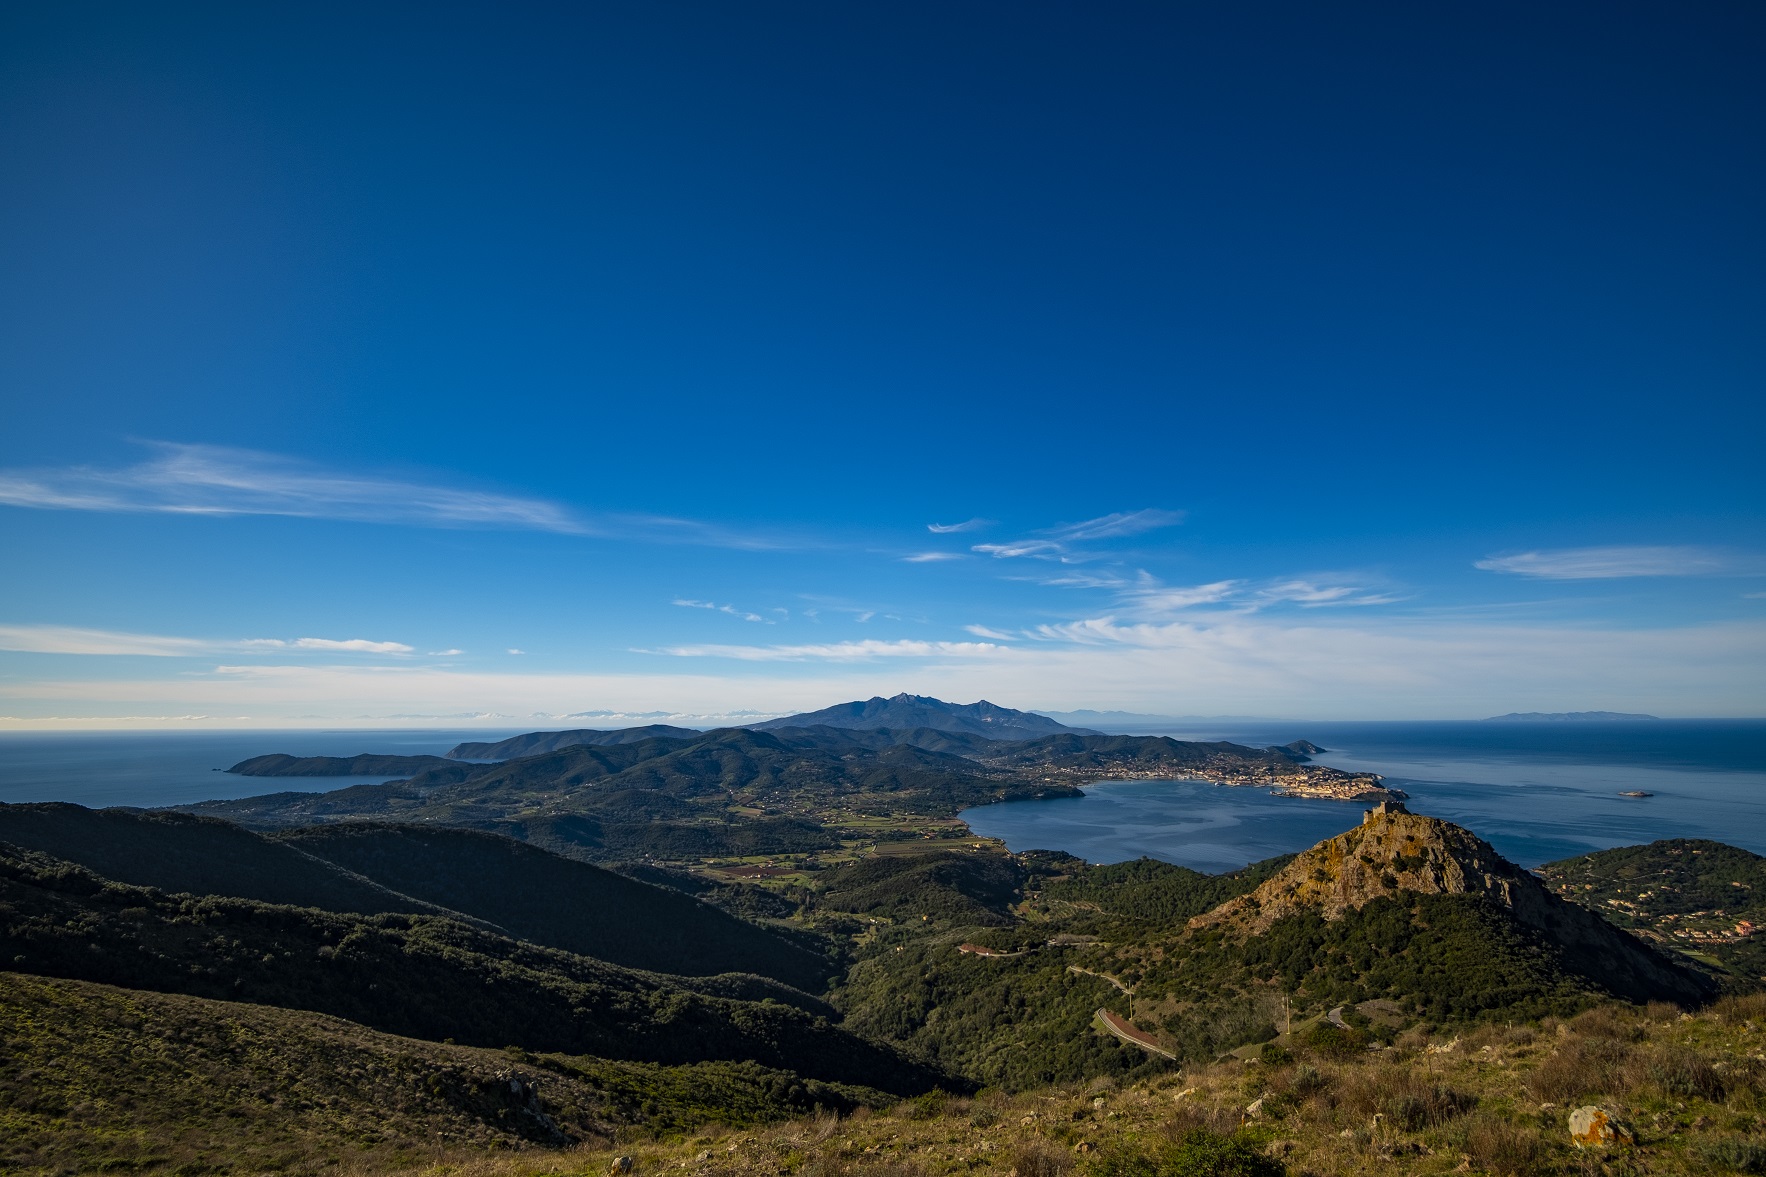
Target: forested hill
[
  {"x": 906, "y": 712},
  {"x": 419, "y": 976},
  {"x": 1706, "y": 899},
  {"x": 534, "y": 743},
  {"x": 492, "y": 881},
  {"x": 177, "y": 852}
]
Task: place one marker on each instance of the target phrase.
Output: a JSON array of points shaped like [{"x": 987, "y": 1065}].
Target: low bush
[
  {"x": 1039, "y": 1158},
  {"x": 1333, "y": 1041},
  {"x": 1197, "y": 1153},
  {"x": 1734, "y": 1154},
  {"x": 1579, "y": 1068},
  {"x": 1410, "y": 1100},
  {"x": 1504, "y": 1149},
  {"x": 1673, "y": 1071}
]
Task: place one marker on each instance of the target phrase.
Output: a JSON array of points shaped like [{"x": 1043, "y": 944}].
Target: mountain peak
[
  {"x": 1391, "y": 851},
  {"x": 907, "y": 712},
  {"x": 1397, "y": 854}
]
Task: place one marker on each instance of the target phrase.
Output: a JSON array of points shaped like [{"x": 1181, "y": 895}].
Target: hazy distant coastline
[{"x": 1571, "y": 717}]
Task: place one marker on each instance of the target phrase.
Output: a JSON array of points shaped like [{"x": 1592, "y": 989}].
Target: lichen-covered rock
[{"x": 1593, "y": 1127}]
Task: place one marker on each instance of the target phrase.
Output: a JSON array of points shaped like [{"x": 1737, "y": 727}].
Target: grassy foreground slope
[
  {"x": 1494, "y": 1100},
  {"x": 103, "y": 1079}
]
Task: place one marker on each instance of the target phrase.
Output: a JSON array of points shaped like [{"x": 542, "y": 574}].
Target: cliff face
[{"x": 1394, "y": 853}]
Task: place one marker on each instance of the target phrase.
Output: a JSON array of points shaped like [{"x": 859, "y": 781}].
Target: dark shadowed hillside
[
  {"x": 546, "y": 899},
  {"x": 419, "y": 976},
  {"x": 202, "y": 856}
]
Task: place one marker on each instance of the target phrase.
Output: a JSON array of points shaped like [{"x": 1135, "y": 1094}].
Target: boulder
[{"x": 1593, "y": 1127}]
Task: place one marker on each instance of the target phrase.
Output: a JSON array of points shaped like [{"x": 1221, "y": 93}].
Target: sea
[
  {"x": 147, "y": 769},
  {"x": 1538, "y": 792}
]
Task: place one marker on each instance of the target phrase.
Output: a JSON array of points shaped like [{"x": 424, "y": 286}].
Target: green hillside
[
  {"x": 419, "y": 976},
  {"x": 1702, "y": 898},
  {"x": 562, "y": 903},
  {"x": 101, "y": 1079},
  {"x": 201, "y": 856}
]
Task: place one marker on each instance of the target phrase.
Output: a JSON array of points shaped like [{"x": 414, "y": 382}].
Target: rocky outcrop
[{"x": 1395, "y": 853}]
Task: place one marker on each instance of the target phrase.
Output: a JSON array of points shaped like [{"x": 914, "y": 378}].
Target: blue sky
[{"x": 1360, "y": 361}]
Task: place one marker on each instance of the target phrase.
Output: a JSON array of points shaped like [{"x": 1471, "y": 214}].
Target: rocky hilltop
[{"x": 1396, "y": 854}]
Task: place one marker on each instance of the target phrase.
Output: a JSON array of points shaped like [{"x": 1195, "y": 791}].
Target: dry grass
[{"x": 1491, "y": 1100}]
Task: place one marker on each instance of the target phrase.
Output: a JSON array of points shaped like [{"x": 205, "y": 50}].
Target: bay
[{"x": 1537, "y": 792}]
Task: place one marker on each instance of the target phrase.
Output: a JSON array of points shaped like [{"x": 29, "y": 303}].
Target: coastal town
[{"x": 1314, "y": 781}]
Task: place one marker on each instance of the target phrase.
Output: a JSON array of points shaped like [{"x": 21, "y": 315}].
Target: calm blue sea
[
  {"x": 1537, "y": 792},
  {"x": 175, "y": 768}
]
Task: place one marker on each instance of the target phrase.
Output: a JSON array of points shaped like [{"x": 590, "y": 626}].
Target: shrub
[
  {"x": 1275, "y": 1056},
  {"x": 1305, "y": 1080},
  {"x": 1038, "y": 1158},
  {"x": 926, "y": 1107},
  {"x": 1674, "y": 1071},
  {"x": 1503, "y": 1148},
  {"x": 1198, "y": 1153},
  {"x": 1409, "y": 1100},
  {"x": 1605, "y": 1021},
  {"x": 1745, "y": 1008},
  {"x": 1333, "y": 1041},
  {"x": 1581, "y": 1067},
  {"x": 1740, "y": 1156}
]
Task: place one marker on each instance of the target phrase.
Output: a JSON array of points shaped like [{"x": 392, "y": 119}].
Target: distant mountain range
[
  {"x": 920, "y": 711},
  {"x": 1569, "y": 717}
]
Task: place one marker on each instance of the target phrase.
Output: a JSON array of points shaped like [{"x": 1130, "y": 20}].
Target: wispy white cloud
[
  {"x": 1041, "y": 549},
  {"x": 1095, "y": 580},
  {"x": 183, "y": 479},
  {"x": 445, "y": 653},
  {"x": 838, "y": 651},
  {"x": 1058, "y": 543},
  {"x": 220, "y": 480},
  {"x": 687, "y": 603},
  {"x": 932, "y": 557},
  {"x": 1151, "y": 598},
  {"x": 982, "y": 631},
  {"x": 513, "y": 650},
  {"x": 965, "y": 525},
  {"x": 1119, "y": 524},
  {"x": 64, "y": 639},
  {"x": 351, "y": 645},
  {"x": 1611, "y": 563},
  {"x": 1312, "y": 595}
]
